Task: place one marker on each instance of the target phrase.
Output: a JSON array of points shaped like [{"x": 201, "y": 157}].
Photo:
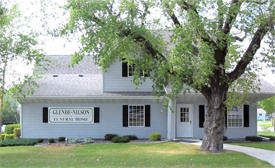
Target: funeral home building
[{"x": 82, "y": 101}]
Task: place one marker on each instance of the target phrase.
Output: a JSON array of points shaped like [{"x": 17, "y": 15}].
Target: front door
[{"x": 184, "y": 120}]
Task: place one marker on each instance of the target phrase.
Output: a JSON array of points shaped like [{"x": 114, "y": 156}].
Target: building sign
[{"x": 71, "y": 115}]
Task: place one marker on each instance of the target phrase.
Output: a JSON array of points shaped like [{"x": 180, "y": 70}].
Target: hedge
[
  {"x": 155, "y": 137},
  {"x": 9, "y": 128},
  {"x": 18, "y": 142},
  {"x": 17, "y": 132},
  {"x": 118, "y": 139},
  {"x": 109, "y": 137}
]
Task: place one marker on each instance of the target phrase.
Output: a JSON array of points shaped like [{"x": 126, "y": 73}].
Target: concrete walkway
[{"x": 262, "y": 154}]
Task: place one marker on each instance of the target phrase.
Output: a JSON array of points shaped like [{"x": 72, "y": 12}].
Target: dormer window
[{"x": 128, "y": 70}]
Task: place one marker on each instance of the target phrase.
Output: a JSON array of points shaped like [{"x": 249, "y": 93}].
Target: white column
[{"x": 171, "y": 120}]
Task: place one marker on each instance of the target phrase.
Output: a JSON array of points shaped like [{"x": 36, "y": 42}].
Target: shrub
[
  {"x": 2, "y": 136},
  {"x": 18, "y": 142},
  {"x": 81, "y": 140},
  {"x": 17, "y": 132},
  {"x": 51, "y": 140},
  {"x": 88, "y": 140},
  {"x": 271, "y": 138},
  {"x": 155, "y": 137},
  {"x": 131, "y": 137},
  {"x": 225, "y": 138},
  {"x": 118, "y": 139},
  {"x": 109, "y": 137},
  {"x": 253, "y": 138},
  {"x": 40, "y": 140},
  {"x": 9, "y": 136},
  {"x": 61, "y": 139},
  {"x": 9, "y": 128}
]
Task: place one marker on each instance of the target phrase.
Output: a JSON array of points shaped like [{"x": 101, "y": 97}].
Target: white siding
[
  {"x": 110, "y": 121},
  {"x": 230, "y": 132},
  {"x": 114, "y": 82}
]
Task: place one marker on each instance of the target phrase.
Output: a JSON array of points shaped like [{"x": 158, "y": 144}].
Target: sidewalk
[{"x": 262, "y": 154}]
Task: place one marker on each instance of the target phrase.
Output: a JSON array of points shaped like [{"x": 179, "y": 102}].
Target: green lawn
[
  {"x": 123, "y": 155},
  {"x": 262, "y": 145},
  {"x": 266, "y": 133},
  {"x": 265, "y": 124}
]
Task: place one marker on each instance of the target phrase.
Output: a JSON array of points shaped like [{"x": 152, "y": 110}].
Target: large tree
[
  {"x": 204, "y": 45},
  {"x": 16, "y": 45}
]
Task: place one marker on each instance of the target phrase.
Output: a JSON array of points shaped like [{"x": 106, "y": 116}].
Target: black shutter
[
  {"x": 45, "y": 115},
  {"x": 201, "y": 115},
  {"x": 225, "y": 117},
  {"x": 124, "y": 68},
  {"x": 96, "y": 115},
  {"x": 125, "y": 115},
  {"x": 246, "y": 115},
  {"x": 147, "y": 115}
]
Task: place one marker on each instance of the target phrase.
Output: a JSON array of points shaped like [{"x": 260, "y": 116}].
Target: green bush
[
  {"x": 9, "y": 128},
  {"x": 17, "y": 132},
  {"x": 2, "y": 136},
  {"x": 61, "y": 139},
  {"x": 118, "y": 139},
  {"x": 253, "y": 138},
  {"x": 9, "y": 136},
  {"x": 51, "y": 140},
  {"x": 18, "y": 142},
  {"x": 271, "y": 138},
  {"x": 80, "y": 140},
  {"x": 109, "y": 137},
  {"x": 155, "y": 137},
  {"x": 131, "y": 137},
  {"x": 40, "y": 140},
  {"x": 225, "y": 138}
]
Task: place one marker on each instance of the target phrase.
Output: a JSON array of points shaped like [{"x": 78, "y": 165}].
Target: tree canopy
[
  {"x": 16, "y": 45},
  {"x": 206, "y": 45},
  {"x": 268, "y": 104}
]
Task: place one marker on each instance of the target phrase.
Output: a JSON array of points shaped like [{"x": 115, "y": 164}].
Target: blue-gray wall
[
  {"x": 114, "y": 82},
  {"x": 110, "y": 120}
]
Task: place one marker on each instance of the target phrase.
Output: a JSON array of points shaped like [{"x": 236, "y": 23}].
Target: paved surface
[{"x": 262, "y": 154}]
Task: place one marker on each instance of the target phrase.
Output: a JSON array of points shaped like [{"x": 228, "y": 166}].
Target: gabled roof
[
  {"x": 82, "y": 80},
  {"x": 86, "y": 80}
]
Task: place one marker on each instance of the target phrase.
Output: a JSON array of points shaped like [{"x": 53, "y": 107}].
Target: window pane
[{"x": 136, "y": 116}]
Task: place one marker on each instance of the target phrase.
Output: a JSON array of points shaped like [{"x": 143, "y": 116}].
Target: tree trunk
[{"x": 214, "y": 121}]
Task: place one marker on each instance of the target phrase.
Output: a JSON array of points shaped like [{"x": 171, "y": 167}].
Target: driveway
[{"x": 262, "y": 154}]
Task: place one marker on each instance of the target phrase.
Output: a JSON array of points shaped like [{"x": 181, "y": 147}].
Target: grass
[
  {"x": 262, "y": 145},
  {"x": 159, "y": 155},
  {"x": 266, "y": 133},
  {"x": 265, "y": 124}
]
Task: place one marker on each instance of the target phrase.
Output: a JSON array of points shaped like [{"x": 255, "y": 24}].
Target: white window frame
[
  {"x": 128, "y": 68},
  {"x": 240, "y": 110},
  {"x": 183, "y": 115},
  {"x": 129, "y": 114}
]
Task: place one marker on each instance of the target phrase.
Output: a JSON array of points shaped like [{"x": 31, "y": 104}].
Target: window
[
  {"x": 235, "y": 117},
  {"x": 184, "y": 114},
  {"x": 131, "y": 70},
  {"x": 136, "y": 117}
]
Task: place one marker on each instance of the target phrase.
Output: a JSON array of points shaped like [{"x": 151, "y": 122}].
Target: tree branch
[
  {"x": 172, "y": 15},
  {"x": 250, "y": 51},
  {"x": 203, "y": 34},
  {"x": 232, "y": 14}
]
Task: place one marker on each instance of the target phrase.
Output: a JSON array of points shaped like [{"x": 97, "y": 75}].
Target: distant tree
[
  {"x": 268, "y": 104},
  {"x": 10, "y": 112},
  {"x": 15, "y": 46},
  {"x": 181, "y": 44}
]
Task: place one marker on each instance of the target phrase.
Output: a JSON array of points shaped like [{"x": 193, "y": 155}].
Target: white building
[{"x": 85, "y": 102}]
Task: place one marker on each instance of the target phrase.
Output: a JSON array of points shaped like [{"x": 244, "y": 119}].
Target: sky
[{"x": 31, "y": 11}]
